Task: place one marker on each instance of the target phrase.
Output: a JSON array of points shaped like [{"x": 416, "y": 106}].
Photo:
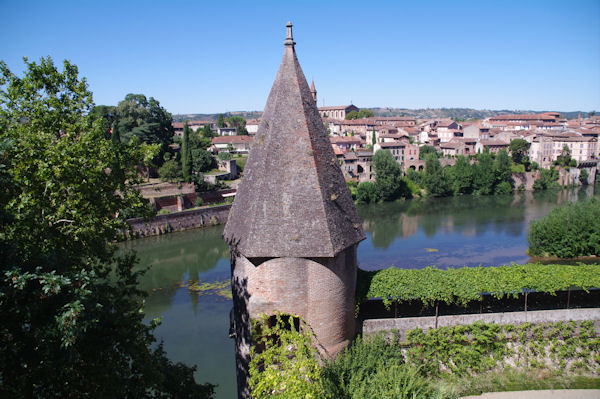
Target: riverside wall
[
  {"x": 178, "y": 221},
  {"x": 405, "y": 324}
]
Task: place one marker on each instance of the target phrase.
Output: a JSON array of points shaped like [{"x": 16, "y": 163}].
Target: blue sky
[{"x": 206, "y": 57}]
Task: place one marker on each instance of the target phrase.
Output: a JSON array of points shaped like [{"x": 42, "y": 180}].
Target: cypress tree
[
  {"x": 186, "y": 154},
  {"x": 116, "y": 138}
]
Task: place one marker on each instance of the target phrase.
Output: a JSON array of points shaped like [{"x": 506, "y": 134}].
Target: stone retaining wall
[
  {"x": 405, "y": 324},
  {"x": 178, "y": 221}
]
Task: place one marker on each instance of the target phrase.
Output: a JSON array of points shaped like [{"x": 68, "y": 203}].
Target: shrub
[
  {"x": 583, "y": 177},
  {"x": 199, "y": 201},
  {"x": 163, "y": 212},
  {"x": 367, "y": 193},
  {"x": 568, "y": 231}
]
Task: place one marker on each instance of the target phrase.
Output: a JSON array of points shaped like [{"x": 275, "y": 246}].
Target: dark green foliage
[
  {"x": 503, "y": 188},
  {"x": 238, "y": 123},
  {"x": 221, "y": 121},
  {"x": 388, "y": 177},
  {"x": 224, "y": 156},
  {"x": 425, "y": 150},
  {"x": 186, "y": 154},
  {"x": 170, "y": 171},
  {"x": 364, "y": 113},
  {"x": 373, "y": 368},
  {"x": 205, "y": 131},
  {"x": 72, "y": 321},
  {"x": 462, "y": 176},
  {"x": 583, "y": 177},
  {"x": 484, "y": 177},
  {"x": 564, "y": 159},
  {"x": 436, "y": 179},
  {"x": 502, "y": 168},
  {"x": 548, "y": 179},
  {"x": 519, "y": 148},
  {"x": 202, "y": 161},
  {"x": 460, "y": 286},
  {"x": 146, "y": 120},
  {"x": 367, "y": 193},
  {"x": 568, "y": 231},
  {"x": 115, "y": 137},
  {"x": 351, "y": 115},
  {"x": 107, "y": 115}
]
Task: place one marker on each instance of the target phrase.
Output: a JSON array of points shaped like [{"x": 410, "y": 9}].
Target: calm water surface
[{"x": 189, "y": 271}]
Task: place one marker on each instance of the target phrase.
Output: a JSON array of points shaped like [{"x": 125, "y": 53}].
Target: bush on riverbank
[{"x": 568, "y": 231}]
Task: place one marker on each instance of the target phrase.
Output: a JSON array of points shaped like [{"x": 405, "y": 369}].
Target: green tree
[
  {"x": 436, "y": 180},
  {"x": 186, "y": 154},
  {"x": 425, "y": 150},
  {"x": 206, "y": 131},
  {"x": 484, "y": 176},
  {"x": 564, "y": 159},
  {"x": 373, "y": 138},
  {"x": 519, "y": 149},
  {"x": 548, "y": 178},
  {"x": 107, "y": 114},
  {"x": 583, "y": 177},
  {"x": 72, "y": 323},
  {"x": 503, "y": 170},
  {"x": 220, "y": 121},
  {"x": 351, "y": 115},
  {"x": 367, "y": 193},
  {"x": 115, "y": 137},
  {"x": 364, "y": 113},
  {"x": 388, "y": 177},
  {"x": 238, "y": 123},
  {"x": 462, "y": 173},
  {"x": 146, "y": 120}
]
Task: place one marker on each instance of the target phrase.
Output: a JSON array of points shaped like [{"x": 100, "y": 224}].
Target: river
[{"x": 189, "y": 271}]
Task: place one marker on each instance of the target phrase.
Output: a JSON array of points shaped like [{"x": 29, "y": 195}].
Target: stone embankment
[
  {"x": 178, "y": 221},
  {"x": 405, "y": 324}
]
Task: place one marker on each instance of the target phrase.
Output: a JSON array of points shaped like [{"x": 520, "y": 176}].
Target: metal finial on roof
[{"x": 289, "y": 40}]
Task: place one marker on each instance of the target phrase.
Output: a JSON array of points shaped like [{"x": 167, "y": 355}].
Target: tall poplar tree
[{"x": 186, "y": 154}]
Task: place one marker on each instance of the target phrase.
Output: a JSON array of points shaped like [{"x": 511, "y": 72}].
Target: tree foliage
[
  {"x": 72, "y": 314},
  {"x": 186, "y": 153},
  {"x": 436, "y": 179},
  {"x": 519, "y": 148},
  {"x": 237, "y": 122},
  {"x": 367, "y": 193},
  {"x": 569, "y": 230},
  {"x": 365, "y": 113},
  {"x": 146, "y": 120},
  {"x": 388, "y": 177}
]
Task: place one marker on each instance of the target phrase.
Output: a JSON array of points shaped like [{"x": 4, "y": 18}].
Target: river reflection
[
  {"x": 188, "y": 271},
  {"x": 455, "y": 231}
]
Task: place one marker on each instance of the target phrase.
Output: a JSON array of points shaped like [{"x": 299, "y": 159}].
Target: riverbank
[{"x": 177, "y": 221}]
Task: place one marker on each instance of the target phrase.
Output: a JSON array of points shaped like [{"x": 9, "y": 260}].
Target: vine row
[{"x": 463, "y": 285}]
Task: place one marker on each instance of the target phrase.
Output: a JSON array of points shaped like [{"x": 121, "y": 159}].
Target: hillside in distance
[{"x": 460, "y": 114}]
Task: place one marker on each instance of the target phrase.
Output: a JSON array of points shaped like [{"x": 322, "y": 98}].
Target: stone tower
[
  {"x": 293, "y": 229},
  {"x": 313, "y": 91}
]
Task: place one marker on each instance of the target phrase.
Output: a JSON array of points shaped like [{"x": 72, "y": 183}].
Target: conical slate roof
[{"x": 293, "y": 200}]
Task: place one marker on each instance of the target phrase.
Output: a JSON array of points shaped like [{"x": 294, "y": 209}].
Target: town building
[
  {"x": 239, "y": 144},
  {"x": 337, "y": 111}
]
